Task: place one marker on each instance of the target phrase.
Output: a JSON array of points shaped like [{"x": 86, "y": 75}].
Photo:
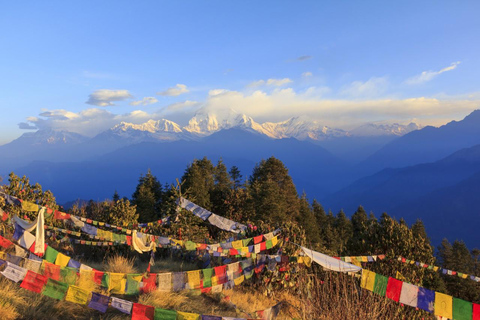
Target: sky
[{"x": 85, "y": 66}]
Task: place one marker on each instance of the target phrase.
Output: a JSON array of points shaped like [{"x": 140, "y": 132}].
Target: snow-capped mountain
[
  {"x": 301, "y": 129},
  {"x": 48, "y": 137},
  {"x": 395, "y": 129}
]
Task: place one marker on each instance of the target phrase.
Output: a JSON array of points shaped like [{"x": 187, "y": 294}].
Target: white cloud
[
  {"x": 426, "y": 76},
  {"x": 105, "y": 97},
  {"x": 371, "y": 88},
  {"x": 277, "y": 105},
  {"x": 270, "y": 82},
  {"x": 145, "y": 101},
  {"x": 26, "y": 126},
  {"x": 174, "y": 91},
  {"x": 307, "y": 74}
]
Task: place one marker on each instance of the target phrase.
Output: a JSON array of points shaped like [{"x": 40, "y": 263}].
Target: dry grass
[{"x": 120, "y": 264}]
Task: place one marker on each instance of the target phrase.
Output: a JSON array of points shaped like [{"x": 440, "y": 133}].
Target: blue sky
[{"x": 340, "y": 62}]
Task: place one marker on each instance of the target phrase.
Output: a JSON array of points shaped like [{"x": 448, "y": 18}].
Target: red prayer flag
[
  {"x": 476, "y": 311},
  {"x": 258, "y": 239},
  {"x": 263, "y": 246},
  {"x": 98, "y": 276},
  {"x": 33, "y": 281},
  {"x": 221, "y": 273},
  {"x": 149, "y": 283},
  {"x": 61, "y": 215},
  {"x": 51, "y": 271},
  {"x": 129, "y": 240},
  {"x": 4, "y": 216},
  {"x": 5, "y": 242},
  {"x": 394, "y": 288},
  {"x": 32, "y": 249},
  {"x": 206, "y": 290},
  {"x": 142, "y": 312},
  {"x": 233, "y": 252}
]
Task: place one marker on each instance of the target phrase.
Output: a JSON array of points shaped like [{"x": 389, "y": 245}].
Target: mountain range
[{"x": 406, "y": 170}]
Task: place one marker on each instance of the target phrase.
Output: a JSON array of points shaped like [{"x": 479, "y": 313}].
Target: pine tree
[
  {"x": 198, "y": 182},
  {"x": 148, "y": 198},
  {"x": 273, "y": 193}
]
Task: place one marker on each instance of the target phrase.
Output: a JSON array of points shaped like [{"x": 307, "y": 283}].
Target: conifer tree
[{"x": 148, "y": 198}]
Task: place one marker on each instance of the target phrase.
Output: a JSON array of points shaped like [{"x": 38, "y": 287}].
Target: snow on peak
[
  {"x": 152, "y": 126},
  {"x": 382, "y": 129}
]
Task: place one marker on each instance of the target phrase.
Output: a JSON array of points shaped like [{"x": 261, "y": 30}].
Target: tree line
[{"x": 269, "y": 199}]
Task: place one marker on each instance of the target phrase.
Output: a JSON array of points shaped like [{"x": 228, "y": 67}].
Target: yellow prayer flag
[
  {"x": 443, "y": 305},
  {"x": 214, "y": 281},
  {"x": 86, "y": 279},
  {"x": 307, "y": 261},
  {"x": 399, "y": 276},
  {"x": 435, "y": 268},
  {"x": 368, "y": 279},
  {"x": 364, "y": 259},
  {"x": 77, "y": 295},
  {"x": 244, "y": 250},
  {"x": 237, "y": 244},
  {"x": 62, "y": 260},
  {"x": 239, "y": 280},
  {"x": 116, "y": 283},
  {"x": 274, "y": 241},
  {"x": 464, "y": 276},
  {"x": 187, "y": 316},
  {"x": 194, "y": 279},
  {"x": 29, "y": 206},
  {"x": 356, "y": 262}
]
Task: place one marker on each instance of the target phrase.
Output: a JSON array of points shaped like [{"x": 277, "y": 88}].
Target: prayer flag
[
  {"x": 409, "y": 294},
  {"x": 207, "y": 277},
  {"x": 26, "y": 240},
  {"x": 165, "y": 281},
  {"x": 68, "y": 275},
  {"x": 116, "y": 283},
  {"x": 380, "y": 286},
  {"x": 368, "y": 280},
  {"x": 122, "y": 305},
  {"x": 133, "y": 283},
  {"x": 443, "y": 305},
  {"x": 426, "y": 299},
  {"x": 258, "y": 239},
  {"x": 62, "y": 260},
  {"x": 14, "y": 272},
  {"x": 98, "y": 278},
  {"x": 476, "y": 311},
  {"x": 55, "y": 289},
  {"x": 178, "y": 281},
  {"x": 462, "y": 309},
  {"x": 29, "y": 206},
  {"x": 99, "y": 302},
  {"x": 187, "y": 316},
  {"x": 190, "y": 246},
  {"x": 194, "y": 279},
  {"x": 33, "y": 282},
  {"x": 221, "y": 274},
  {"x": 164, "y": 314},
  {"x": 237, "y": 244},
  {"x": 5, "y": 243},
  {"x": 51, "y": 270},
  {"x": 77, "y": 295},
  {"x": 73, "y": 264},
  {"x": 246, "y": 242},
  {"x": 51, "y": 254},
  {"x": 239, "y": 280},
  {"x": 204, "y": 317},
  {"x": 149, "y": 283},
  {"x": 142, "y": 312},
  {"x": 13, "y": 259},
  {"x": 32, "y": 265},
  {"x": 394, "y": 289}
]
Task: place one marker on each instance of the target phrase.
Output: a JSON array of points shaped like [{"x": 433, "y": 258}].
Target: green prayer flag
[
  {"x": 189, "y": 245},
  {"x": 269, "y": 244},
  {"x": 105, "y": 280},
  {"x": 133, "y": 283},
  {"x": 51, "y": 254},
  {"x": 246, "y": 242},
  {"x": 55, "y": 289},
  {"x": 462, "y": 310},
  {"x": 117, "y": 237},
  {"x": 164, "y": 314},
  {"x": 207, "y": 277},
  {"x": 68, "y": 275},
  {"x": 380, "y": 286},
  {"x": 95, "y": 223}
]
